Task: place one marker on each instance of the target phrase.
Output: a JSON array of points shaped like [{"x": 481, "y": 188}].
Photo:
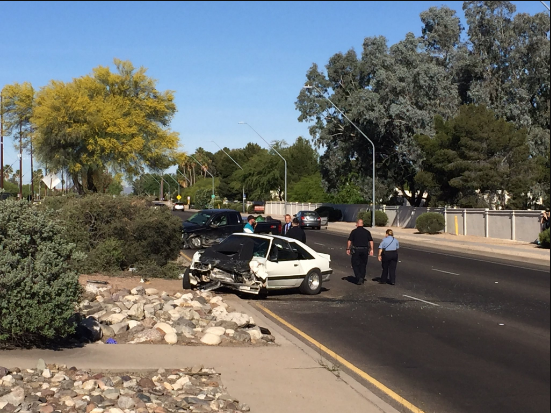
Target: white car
[
  {"x": 178, "y": 206},
  {"x": 254, "y": 263}
]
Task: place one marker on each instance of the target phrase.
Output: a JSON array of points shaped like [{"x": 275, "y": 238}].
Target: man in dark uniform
[
  {"x": 296, "y": 232},
  {"x": 360, "y": 246}
]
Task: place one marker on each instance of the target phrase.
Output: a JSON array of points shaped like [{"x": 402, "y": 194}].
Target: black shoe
[
  {"x": 376, "y": 279},
  {"x": 360, "y": 282},
  {"x": 388, "y": 282}
]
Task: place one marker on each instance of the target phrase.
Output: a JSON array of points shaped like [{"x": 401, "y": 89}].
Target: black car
[
  {"x": 309, "y": 219},
  {"x": 211, "y": 226}
]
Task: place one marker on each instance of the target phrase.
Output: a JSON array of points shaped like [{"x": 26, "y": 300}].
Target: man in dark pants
[
  {"x": 296, "y": 232},
  {"x": 360, "y": 246}
]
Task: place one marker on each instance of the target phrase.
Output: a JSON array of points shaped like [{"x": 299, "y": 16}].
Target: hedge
[
  {"x": 430, "y": 223},
  {"x": 544, "y": 239},
  {"x": 381, "y": 218},
  {"x": 39, "y": 286}
]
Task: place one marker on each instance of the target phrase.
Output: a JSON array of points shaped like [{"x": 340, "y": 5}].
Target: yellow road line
[{"x": 345, "y": 363}]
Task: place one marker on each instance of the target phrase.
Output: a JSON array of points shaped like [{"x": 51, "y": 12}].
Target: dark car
[
  {"x": 309, "y": 219},
  {"x": 211, "y": 226}
]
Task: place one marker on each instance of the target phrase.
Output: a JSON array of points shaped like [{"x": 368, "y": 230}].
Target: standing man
[
  {"x": 296, "y": 232},
  {"x": 287, "y": 225},
  {"x": 360, "y": 246},
  {"x": 249, "y": 226}
]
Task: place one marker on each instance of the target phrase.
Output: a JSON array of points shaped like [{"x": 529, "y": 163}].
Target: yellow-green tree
[{"x": 106, "y": 120}]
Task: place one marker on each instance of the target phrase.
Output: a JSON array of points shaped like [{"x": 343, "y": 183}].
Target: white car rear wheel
[{"x": 312, "y": 283}]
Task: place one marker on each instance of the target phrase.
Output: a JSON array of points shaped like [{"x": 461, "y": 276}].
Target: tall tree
[
  {"x": 116, "y": 120},
  {"x": 477, "y": 160}
]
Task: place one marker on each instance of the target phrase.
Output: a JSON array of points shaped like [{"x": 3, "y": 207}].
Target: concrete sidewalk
[
  {"x": 288, "y": 378},
  {"x": 469, "y": 244}
]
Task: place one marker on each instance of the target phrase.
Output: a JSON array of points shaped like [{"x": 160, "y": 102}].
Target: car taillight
[
  {"x": 302, "y": 218},
  {"x": 319, "y": 219},
  {"x": 279, "y": 228}
]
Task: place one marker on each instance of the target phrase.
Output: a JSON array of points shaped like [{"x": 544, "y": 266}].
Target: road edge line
[{"x": 393, "y": 395}]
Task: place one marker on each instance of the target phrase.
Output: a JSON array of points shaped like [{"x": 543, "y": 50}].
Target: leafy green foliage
[
  {"x": 430, "y": 223},
  {"x": 394, "y": 93},
  {"x": 308, "y": 189},
  {"x": 105, "y": 120},
  {"x": 39, "y": 286},
  {"x": 381, "y": 218},
  {"x": 475, "y": 159},
  {"x": 544, "y": 239},
  {"x": 120, "y": 232}
]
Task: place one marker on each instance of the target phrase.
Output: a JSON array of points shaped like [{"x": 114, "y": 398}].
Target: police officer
[{"x": 360, "y": 246}]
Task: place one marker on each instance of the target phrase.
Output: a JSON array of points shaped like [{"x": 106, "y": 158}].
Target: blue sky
[{"x": 226, "y": 61}]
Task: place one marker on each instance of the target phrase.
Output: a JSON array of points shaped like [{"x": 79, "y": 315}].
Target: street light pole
[
  {"x": 239, "y": 168},
  {"x": 187, "y": 179},
  {"x": 171, "y": 177},
  {"x": 364, "y": 135},
  {"x": 207, "y": 171},
  {"x": 284, "y": 160}
]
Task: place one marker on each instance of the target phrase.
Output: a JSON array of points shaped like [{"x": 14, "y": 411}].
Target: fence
[{"x": 516, "y": 225}]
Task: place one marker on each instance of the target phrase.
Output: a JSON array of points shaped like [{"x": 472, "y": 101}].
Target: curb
[{"x": 276, "y": 330}]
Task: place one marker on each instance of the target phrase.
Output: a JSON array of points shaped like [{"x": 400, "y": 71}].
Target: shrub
[
  {"x": 235, "y": 207},
  {"x": 381, "y": 218},
  {"x": 331, "y": 213},
  {"x": 430, "y": 223},
  {"x": 544, "y": 239},
  {"x": 250, "y": 209},
  {"x": 120, "y": 232},
  {"x": 39, "y": 286}
]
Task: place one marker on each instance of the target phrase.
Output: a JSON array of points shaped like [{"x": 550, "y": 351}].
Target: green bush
[
  {"x": 235, "y": 207},
  {"x": 331, "y": 213},
  {"x": 544, "y": 239},
  {"x": 39, "y": 286},
  {"x": 121, "y": 232},
  {"x": 250, "y": 209},
  {"x": 430, "y": 223},
  {"x": 381, "y": 218}
]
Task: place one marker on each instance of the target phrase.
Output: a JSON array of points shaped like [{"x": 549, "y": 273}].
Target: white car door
[{"x": 283, "y": 266}]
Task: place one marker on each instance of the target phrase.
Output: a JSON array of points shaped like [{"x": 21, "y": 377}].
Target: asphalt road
[{"x": 479, "y": 343}]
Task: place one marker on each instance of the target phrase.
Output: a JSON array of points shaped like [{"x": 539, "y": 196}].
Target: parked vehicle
[
  {"x": 211, "y": 226},
  {"x": 331, "y": 213},
  {"x": 309, "y": 219},
  {"x": 159, "y": 205},
  {"x": 254, "y": 263},
  {"x": 178, "y": 206},
  {"x": 259, "y": 207}
]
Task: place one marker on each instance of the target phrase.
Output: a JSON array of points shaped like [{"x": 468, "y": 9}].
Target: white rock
[
  {"x": 133, "y": 323},
  {"x": 46, "y": 373},
  {"x": 230, "y": 332},
  {"x": 151, "y": 291},
  {"x": 211, "y": 339},
  {"x": 114, "y": 318},
  {"x": 96, "y": 288},
  {"x": 255, "y": 334},
  {"x": 180, "y": 383},
  {"x": 171, "y": 338},
  {"x": 16, "y": 397},
  {"x": 167, "y": 328},
  {"x": 133, "y": 298},
  {"x": 215, "y": 300},
  {"x": 219, "y": 331},
  {"x": 90, "y": 385}
]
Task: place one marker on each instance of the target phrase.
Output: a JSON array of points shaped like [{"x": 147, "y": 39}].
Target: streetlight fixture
[
  {"x": 284, "y": 160},
  {"x": 207, "y": 171},
  {"x": 364, "y": 135},
  {"x": 239, "y": 168}
]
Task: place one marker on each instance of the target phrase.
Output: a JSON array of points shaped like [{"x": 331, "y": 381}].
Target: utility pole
[
  {"x": 20, "y": 162},
  {"x": 32, "y": 169}
]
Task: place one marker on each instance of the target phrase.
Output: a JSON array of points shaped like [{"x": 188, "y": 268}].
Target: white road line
[
  {"x": 317, "y": 243},
  {"x": 418, "y": 299},
  {"x": 446, "y": 272}
]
